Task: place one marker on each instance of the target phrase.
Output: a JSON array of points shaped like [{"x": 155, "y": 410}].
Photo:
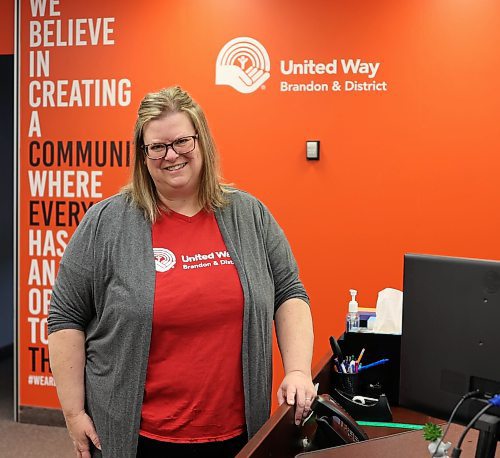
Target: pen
[
  {"x": 336, "y": 365},
  {"x": 376, "y": 363},
  {"x": 360, "y": 356}
]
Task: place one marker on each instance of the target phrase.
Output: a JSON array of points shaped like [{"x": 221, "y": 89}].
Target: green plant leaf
[{"x": 432, "y": 432}]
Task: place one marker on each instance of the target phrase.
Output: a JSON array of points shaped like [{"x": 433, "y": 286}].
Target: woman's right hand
[{"x": 81, "y": 429}]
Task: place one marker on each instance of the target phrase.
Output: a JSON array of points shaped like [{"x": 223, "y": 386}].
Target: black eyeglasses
[{"x": 180, "y": 146}]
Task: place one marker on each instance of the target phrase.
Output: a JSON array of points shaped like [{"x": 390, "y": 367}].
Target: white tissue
[{"x": 389, "y": 312}]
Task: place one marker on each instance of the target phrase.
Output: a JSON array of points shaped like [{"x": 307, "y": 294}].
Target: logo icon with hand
[
  {"x": 164, "y": 259},
  {"x": 243, "y": 64}
]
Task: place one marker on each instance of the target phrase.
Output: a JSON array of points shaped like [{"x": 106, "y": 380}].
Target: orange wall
[{"x": 410, "y": 170}]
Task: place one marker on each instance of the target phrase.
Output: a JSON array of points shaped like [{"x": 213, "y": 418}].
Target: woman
[{"x": 161, "y": 316}]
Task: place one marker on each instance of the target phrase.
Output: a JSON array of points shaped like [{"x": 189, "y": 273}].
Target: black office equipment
[
  {"x": 451, "y": 333},
  {"x": 335, "y": 425},
  {"x": 383, "y": 379}
]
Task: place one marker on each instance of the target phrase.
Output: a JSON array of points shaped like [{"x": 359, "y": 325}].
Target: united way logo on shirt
[
  {"x": 164, "y": 259},
  {"x": 243, "y": 64}
]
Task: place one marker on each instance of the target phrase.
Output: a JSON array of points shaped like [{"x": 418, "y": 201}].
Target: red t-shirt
[{"x": 194, "y": 383}]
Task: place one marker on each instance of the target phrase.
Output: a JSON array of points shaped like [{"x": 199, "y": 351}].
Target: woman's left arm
[
  {"x": 292, "y": 318},
  {"x": 294, "y": 332}
]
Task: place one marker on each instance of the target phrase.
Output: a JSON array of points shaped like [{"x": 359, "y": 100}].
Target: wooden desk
[
  {"x": 280, "y": 438},
  {"x": 408, "y": 444}
]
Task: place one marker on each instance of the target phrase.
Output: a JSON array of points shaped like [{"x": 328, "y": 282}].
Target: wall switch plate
[{"x": 312, "y": 150}]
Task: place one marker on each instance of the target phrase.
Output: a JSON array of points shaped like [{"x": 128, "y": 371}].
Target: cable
[
  {"x": 470, "y": 394},
  {"x": 457, "y": 450},
  {"x": 494, "y": 401}
]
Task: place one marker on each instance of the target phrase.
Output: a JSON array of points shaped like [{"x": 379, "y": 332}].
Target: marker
[
  {"x": 336, "y": 348},
  {"x": 376, "y": 363}
]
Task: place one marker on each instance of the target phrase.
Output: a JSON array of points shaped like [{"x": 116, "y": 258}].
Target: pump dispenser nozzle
[{"x": 353, "y": 305}]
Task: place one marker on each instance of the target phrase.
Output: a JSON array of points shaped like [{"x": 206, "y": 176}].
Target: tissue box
[{"x": 377, "y": 346}]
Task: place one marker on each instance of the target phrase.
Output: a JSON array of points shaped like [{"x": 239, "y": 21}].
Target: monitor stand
[{"x": 489, "y": 433}]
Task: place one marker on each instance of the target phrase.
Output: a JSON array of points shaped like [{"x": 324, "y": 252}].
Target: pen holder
[{"x": 348, "y": 383}]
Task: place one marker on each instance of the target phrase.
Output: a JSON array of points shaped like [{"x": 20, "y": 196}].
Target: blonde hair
[{"x": 141, "y": 189}]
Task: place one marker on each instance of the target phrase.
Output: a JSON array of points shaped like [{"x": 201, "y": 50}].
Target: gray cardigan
[{"x": 105, "y": 287}]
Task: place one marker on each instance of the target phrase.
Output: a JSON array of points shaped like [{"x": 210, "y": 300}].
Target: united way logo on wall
[{"x": 243, "y": 64}]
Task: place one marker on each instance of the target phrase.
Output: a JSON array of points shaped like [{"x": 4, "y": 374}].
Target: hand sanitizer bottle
[{"x": 352, "y": 319}]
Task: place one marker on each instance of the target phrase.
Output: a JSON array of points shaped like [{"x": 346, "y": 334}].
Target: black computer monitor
[{"x": 450, "y": 343}]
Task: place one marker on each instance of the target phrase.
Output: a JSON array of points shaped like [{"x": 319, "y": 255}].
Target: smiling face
[{"x": 175, "y": 176}]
